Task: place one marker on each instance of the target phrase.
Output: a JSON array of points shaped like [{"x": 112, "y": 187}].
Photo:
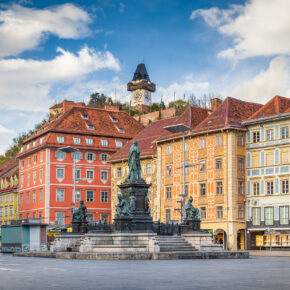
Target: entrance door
[{"x": 34, "y": 236}]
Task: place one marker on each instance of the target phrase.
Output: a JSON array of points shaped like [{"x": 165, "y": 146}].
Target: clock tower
[{"x": 141, "y": 87}]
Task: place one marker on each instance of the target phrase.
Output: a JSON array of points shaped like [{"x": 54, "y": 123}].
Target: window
[
  {"x": 60, "y": 195},
  {"x": 60, "y": 173},
  {"x": 256, "y": 216},
  {"x": 119, "y": 172},
  {"x": 185, "y": 146},
  {"x": 186, "y": 189},
  {"x": 167, "y": 215},
  {"x": 60, "y": 139},
  {"x": 203, "y": 213},
  {"x": 40, "y": 175},
  {"x": 41, "y": 140},
  {"x": 115, "y": 120},
  {"x": 1, "y": 211},
  {"x": 40, "y": 216},
  {"x": 77, "y": 140},
  {"x": 27, "y": 197},
  {"x": 255, "y": 160},
  {"x": 202, "y": 189},
  {"x": 202, "y": 143},
  {"x": 168, "y": 149},
  {"x": 28, "y": 179},
  {"x": 11, "y": 197},
  {"x": 285, "y": 186},
  {"x": 241, "y": 212},
  {"x": 270, "y": 187},
  {"x": 219, "y": 212},
  {"x": 219, "y": 163},
  {"x": 105, "y": 196},
  {"x": 22, "y": 180},
  {"x": 104, "y": 143},
  {"x": 85, "y": 116},
  {"x": 241, "y": 163},
  {"x": 28, "y": 161},
  {"x": 34, "y": 177},
  {"x": 169, "y": 170},
  {"x": 219, "y": 187},
  {"x": 41, "y": 156},
  {"x": 105, "y": 218},
  {"x": 77, "y": 156},
  {"x": 284, "y": 215},
  {"x": 21, "y": 199},
  {"x": 40, "y": 195},
  {"x": 34, "y": 158},
  {"x": 219, "y": 140},
  {"x": 284, "y": 157},
  {"x": 77, "y": 195},
  {"x": 104, "y": 157},
  {"x": 240, "y": 187},
  {"x": 90, "y": 196},
  {"x": 168, "y": 192},
  {"x": 11, "y": 210},
  {"x": 77, "y": 174},
  {"x": 241, "y": 140},
  {"x": 202, "y": 166},
  {"x": 269, "y": 216},
  {"x": 256, "y": 188},
  {"x": 89, "y": 141},
  {"x": 256, "y": 137},
  {"x": 270, "y": 134},
  {"x": 148, "y": 168},
  {"x": 6, "y": 198},
  {"x": 284, "y": 132},
  {"x": 60, "y": 155},
  {"x": 269, "y": 158},
  {"x": 104, "y": 175},
  {"x": 91, "y": 127},
  {"x": 59, "y": 218},
  {"x": 90, "y": 156},
  {"x": 6, "y": 210},
  {"x": 119, "y": 144},
  {"x": 90, "y": 174},
  {"x": 121, "y": 130},
  {"x": 33, "y": 196}
]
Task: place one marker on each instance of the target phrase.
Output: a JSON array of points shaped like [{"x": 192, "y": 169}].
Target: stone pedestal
[
  {"x": 80, "y": 227},
  {"x": 123, "y": 224},
  {"x": 141, "y": 219},
  {"x": 190, "y": 226}
]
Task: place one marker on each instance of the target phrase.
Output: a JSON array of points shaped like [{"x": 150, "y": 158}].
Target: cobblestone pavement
[{"x": 43, "y": 273}]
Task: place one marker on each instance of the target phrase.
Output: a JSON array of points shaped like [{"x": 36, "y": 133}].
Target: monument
[
  {"x": 133, "y": 211},
  {"x": 79, "y": 219}
]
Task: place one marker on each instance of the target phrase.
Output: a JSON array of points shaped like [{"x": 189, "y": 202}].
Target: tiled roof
[
  {"x": 146, "y": 140},
  {"x": 230, "y": 114},
  {"x": 9, "y": 168},
  {"x": 274, "y": 107},
  {"x": 191, "y": 117},
  {"x": 85, "y": 121}
]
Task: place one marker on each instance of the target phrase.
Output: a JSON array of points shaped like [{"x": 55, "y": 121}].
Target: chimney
[{"x": 215, "y": 103}]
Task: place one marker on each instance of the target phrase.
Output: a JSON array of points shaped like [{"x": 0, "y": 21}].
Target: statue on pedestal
[
  {"x": 80, "y": 214},
  {"x": 122, "y": 208},
  {"x": 191, "y": 212},
  {"x": 134, "y": 163}
]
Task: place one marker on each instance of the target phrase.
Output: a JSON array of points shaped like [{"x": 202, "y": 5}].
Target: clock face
[
  {"x": 147, "y": 96},
  {"x": 138, "y": 95}
]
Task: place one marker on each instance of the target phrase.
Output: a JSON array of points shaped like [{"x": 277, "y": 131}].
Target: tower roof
[{"x": 141, "y": 73}]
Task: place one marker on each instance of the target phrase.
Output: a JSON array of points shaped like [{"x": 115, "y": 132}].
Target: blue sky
[{"x": 51, "y": 50}]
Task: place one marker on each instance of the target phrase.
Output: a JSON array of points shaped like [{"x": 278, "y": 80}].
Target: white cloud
[
  {"x": 23, "y": 28},
  {"x": 259, "y": 28},
  {"x": 189, "y": 86},
  {"x": 275, "y": 80},
  {"x": 26, "y": 84},
  {"x": 5, "y": 130}
]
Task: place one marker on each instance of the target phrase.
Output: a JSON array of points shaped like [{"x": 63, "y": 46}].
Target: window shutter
[
  {"x": 94, "y": 156},
  {"x": 86, "y": 155},
  {"x": 55, "y": 154},
  {"x": 81, "y": 155}
]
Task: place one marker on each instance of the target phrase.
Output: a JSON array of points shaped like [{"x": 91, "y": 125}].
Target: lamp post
[
  {"x": 176, "y": 129},
  {"x": 69, "y": 149}
]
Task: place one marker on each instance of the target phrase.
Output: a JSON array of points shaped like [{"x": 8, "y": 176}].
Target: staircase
[{"x": 174, "y": 244}]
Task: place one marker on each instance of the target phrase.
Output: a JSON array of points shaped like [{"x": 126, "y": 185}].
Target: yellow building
[
  {"x": 8, "y": 191},
  {"x": 217, "y": 183},
  {"x": 147, "y": 144}
]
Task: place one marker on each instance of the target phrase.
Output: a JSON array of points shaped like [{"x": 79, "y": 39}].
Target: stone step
[
  {"x": 173, "y": 244},
  {"x": 174, "y": 249}
]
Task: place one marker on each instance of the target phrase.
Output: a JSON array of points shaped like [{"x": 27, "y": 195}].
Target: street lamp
[
  {"x": 176, "y": 129},
  {"x": 69, "y": 149}
]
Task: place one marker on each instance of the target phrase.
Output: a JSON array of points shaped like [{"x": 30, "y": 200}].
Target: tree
[{"x": 97, "y": 100}]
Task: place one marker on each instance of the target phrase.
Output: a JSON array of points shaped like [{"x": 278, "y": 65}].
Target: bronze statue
[
  {"x": 81, "y": 213},
  {"x": 191, "y": 211},
  {"x": 132, "y": 201},
  {"x": 122, "y": 208},
  {"x": 134, "y": 163}
]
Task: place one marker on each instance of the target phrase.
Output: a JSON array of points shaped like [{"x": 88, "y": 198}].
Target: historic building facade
[
  {"x": 8, "y": 191},
  {"x": 147, "y": 144},
  {"x": 48, "y": 168},
  {"x": 216, "y": 180},
  {"x": 268, "y": 175}
]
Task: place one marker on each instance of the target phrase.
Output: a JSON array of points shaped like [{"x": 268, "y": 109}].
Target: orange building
[
  {"x": 217, "y": 184},
  {"x": 46, "y": 172}
]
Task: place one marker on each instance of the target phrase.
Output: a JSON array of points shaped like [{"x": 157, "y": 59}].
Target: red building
[{"x": 46, "y": 173}]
